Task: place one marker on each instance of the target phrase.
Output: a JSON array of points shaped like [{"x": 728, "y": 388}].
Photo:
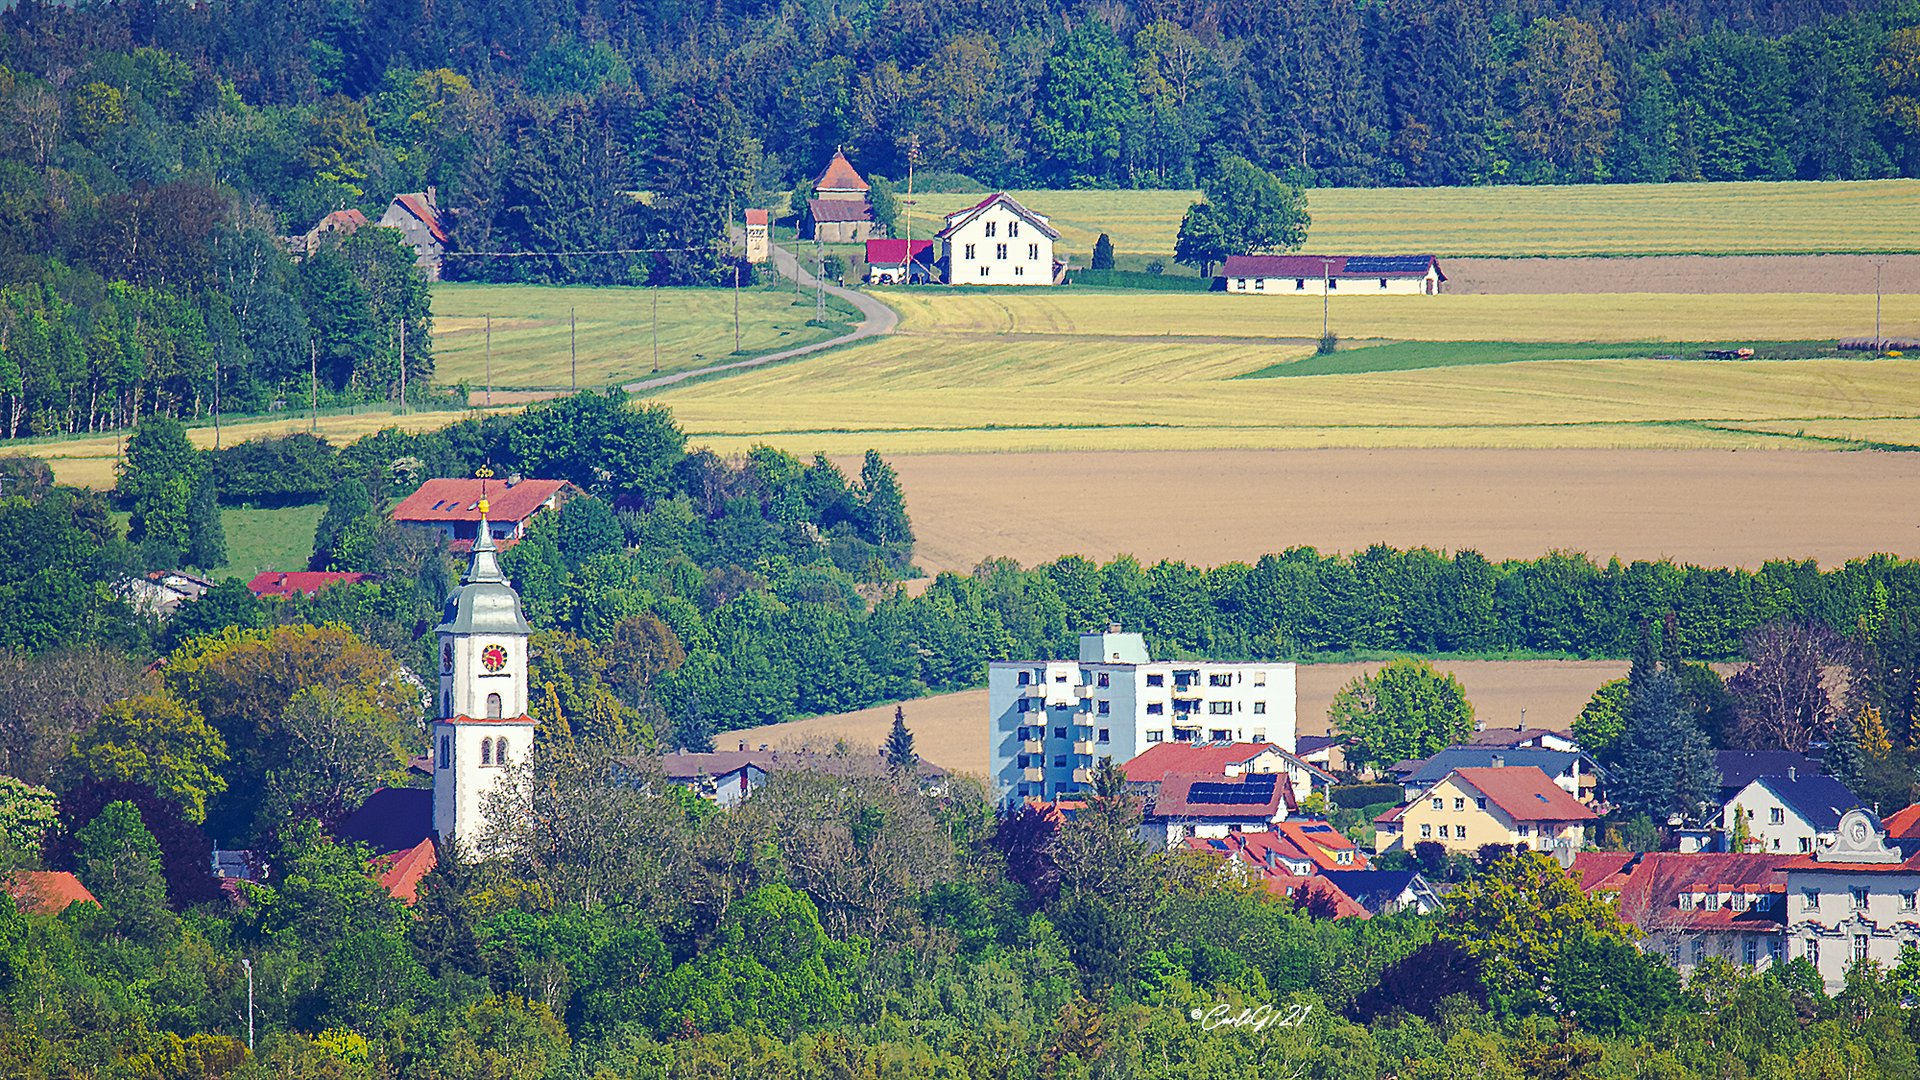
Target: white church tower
[{"x": 481, "y": 726}]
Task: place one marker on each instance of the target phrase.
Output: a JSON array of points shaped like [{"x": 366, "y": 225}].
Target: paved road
[{"x": 876, "y": 319}]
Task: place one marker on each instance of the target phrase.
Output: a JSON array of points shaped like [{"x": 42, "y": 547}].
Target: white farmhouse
[
  {"x": 1793, "y": 813},
  {"x": 1049, "y": 721},
  {"x": 1333, "y": 275},
  {"x": 999, "y": 242}
]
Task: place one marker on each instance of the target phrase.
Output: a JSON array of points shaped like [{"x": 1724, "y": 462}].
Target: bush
[
  {"x": 1360, "y": 796},
  {"x": 946, "y": 181},
  {"x": 1103, "y": 253},
  {"x": 1156, "y": 266},
  {"x": 1329, "y": 342},
  {"x": 836, "y": 268},
  {"x": 292, "y": 470}
]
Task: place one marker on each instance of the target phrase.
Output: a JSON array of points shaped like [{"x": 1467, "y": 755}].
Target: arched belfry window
[
  {"x": 446, "y": 752},
  {"x": 493, "y": 706},
  {"x": 486, "y": 751},
  {"x": 446, "y": 704},
  {"x": 500, "y": 751}
]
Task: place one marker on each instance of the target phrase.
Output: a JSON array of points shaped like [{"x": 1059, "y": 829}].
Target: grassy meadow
[
  {"x": 267, "y": 539},
  {"x": 1770, "y": 218},
  {"x": 1085, "y": 371},
  {"x": 613, "y": 331},
  {"x": 1590, "y": 317}
]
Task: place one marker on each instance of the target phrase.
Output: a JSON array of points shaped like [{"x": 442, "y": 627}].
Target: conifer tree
[
  {"x": 1666, "y": 767},
  {"x": 900, "y": 753}
]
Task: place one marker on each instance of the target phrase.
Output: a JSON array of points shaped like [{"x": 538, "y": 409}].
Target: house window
[
  {"x": 446, "y": 753},
  {"x": 1333, "y": 283},
  {"x": 1219, "y": 679},
  {"x": 1019, "y": 271},
  {"x": 1443, "y": 832},
  {"x": 1673, "y": 954},
  {"x": 1459, "y": 803},
  {"x": 1101, "y": 680},
  {"x": 1060, "y": 676},
  {"x": 999, "y": 251},
  {"x": 1105, "y": 736},
  {"x": 1059, "y": 761},
  {"x": 493, "y": 706},
  {"x": 499, "y": 751},
  {"x": 1773, "y": 949},
  {"x": 1907, "y": 897},
  {"x": 1259, "y": 708},
  {"x": 1523, "y": 830},
  {"x": 1858, "y": 893},
  {"x": 1813, "y": 953},
  {"x": 1688, "y": 901},
  {"x": 1260, "y": 284},
  {"x": 983, "y": 269},
  {"x": 992, "y": 225},
  {"x": 1033, "y": 251},
  {"x": 1220, "y": 735},
  {"x": 1439, "y": 804},
  {"x": 486, "y": 751},
  {"x": 1220, "y": 708},
  {"x": 1426, "y": 832},
  {"x": 1105, "y": 707},
  {"x": 1777, "y": 816},
  {"x": 1013, "y": 229},
  {"x": 1809, "y": 899},
  {"x": 1383, "y": 283},
  {"x": 1259, "y": 678},
  {"x": 1753, "y": 952},
  {"x": 1480, "y": 803},
  {"x": 1059, "y": 733},
  {"x": 1024, "y": 705},
  {"x": 969, "y": 252},
  {"x": 1699, "y": 950},
  {"x": 1859, "y": 946},
  {"x": 1156, "y": 736},
  {"x": 1156, "y": 680},
  {"x": 1156, "y": 708},
  {"x": 1806, "y": 843},
  {"x": 1299, "y": 284},
  {"x": 1025, "y": 678}
]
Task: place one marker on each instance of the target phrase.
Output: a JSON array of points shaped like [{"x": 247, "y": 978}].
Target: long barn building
[{"x": 1312, "y": 275}]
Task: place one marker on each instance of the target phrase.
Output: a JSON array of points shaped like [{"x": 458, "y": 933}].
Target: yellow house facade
[{"x": 1473, "y": 807}]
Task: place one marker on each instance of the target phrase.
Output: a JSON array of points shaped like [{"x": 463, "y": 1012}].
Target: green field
[
  {"x": 279, "y": 539},
  {"x": 612, "y": 331},
  {"x": 1414, "y": 355},
  {"x": 1064, "y": 371},
  {"x": 1793, "y": 217}
]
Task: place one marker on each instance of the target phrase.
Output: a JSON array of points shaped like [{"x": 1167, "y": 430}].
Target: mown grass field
[
  {"x": 1064, "y": 371},
  {"x": 613, "y": 331},
  {"x": 267, "y": 539},
  {"x": 1793, "y": 217},
  {"x": 1596, "y": 317},
  {"x": 89, "y": 461}
]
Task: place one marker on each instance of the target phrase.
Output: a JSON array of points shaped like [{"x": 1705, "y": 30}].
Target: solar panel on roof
[{"x": 1387, "y": 264}]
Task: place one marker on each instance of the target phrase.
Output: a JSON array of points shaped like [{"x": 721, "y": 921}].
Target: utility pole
[
  {"x": 573, "y": 353},
  {"x": 313, "y": 381},
  {"x": 248, "y": 964},
  {"x": 655, "y": 289},
  {"x": 1879, "y": 343},
  {"x": 403, "y": 366},
  {"x": 819, "y": 283},
  {"x": 216, "y": 402},
  {"x": 736, "y": 308},
  {"x": 1326, "y": 294},
  {"x": 913, "y": 158},
  {"x": 489, "y": 359}
]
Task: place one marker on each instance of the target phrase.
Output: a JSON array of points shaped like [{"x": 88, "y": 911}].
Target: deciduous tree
[{"x": 1407, "y": 709}]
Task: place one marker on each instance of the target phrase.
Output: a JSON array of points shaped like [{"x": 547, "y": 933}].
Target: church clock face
[{"x": 493, "y": 658}]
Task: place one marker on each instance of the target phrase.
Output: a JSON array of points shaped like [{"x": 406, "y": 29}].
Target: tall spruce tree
[
  {"x": 899, "y": 747},
  {"x": 1666, "y": 768}
]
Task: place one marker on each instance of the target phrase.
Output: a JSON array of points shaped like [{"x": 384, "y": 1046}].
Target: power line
[{"x": 569, "y": 254}]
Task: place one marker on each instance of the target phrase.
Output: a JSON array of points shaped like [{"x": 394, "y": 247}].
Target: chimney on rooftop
[
  {"x": 743, "y": 745},
  {"x": 1499, "y": 761}
]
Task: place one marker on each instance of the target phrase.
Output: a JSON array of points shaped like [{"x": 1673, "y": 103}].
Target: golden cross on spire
[{"x": 485, "y": 473}]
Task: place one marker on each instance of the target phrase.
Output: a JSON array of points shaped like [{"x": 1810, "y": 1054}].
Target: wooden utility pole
[
  {"x": 655, "y": 289},
  {"x": 573, "y": 353},
  {"x": 403, "y": 367},
  {"x": 489, "y": 359},
  {"x": 736, "y": 307},
  {"x": 216, "y": 402},
  {"x": 1326, "y": 296},
  {"x": 1879, "y": 343},
  {"x": 313, "y": 381}
]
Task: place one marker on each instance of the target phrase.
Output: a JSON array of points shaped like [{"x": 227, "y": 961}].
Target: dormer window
[{"x": 1688, "y": 901}]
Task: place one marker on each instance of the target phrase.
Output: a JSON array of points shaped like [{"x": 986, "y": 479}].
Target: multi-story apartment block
[{"x": 1051, "y": 721}]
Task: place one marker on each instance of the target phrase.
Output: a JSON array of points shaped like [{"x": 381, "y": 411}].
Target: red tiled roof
[
  {"x": 449, "y": 499},
  {"x": 1600, "y": 869},
  {"x": 1808, "y": 861},
  {"x": 1525, "y": 793},
  {"x": 839, "y": 210},
  {"x": 341, "y": 221},
  {"x": 1190, "y": 759},
  {"x": 961, "y": 217},
  {"x": 416, "y": 204},
  {"x": 404, "y": 869},
  {"x": 1175, "y": 799},
  {"x": 1903, "y": 824},
  {"x": 1344, "y": 906},
  {"x": 299, "y": 582},
  {"x": 47, "y": 892},
  {"x": 839, "y": 175},
  {"x": 885, "y": 252},
  {"x": 1310, "y": 266},
  {"x": 1649, "y": 895},
  {"x": 1319, "y": 841},
  {"x": 756, "y": 217}
]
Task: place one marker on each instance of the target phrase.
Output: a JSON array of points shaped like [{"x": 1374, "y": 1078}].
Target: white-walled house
[
  {"x": 1856, "y": 898},
  {"x": 1789, "y": 814},
  {"x": 997, "y": 241},
  {"x": 1334, "y": 275},
  {"x": 1049, "y": 721}
]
